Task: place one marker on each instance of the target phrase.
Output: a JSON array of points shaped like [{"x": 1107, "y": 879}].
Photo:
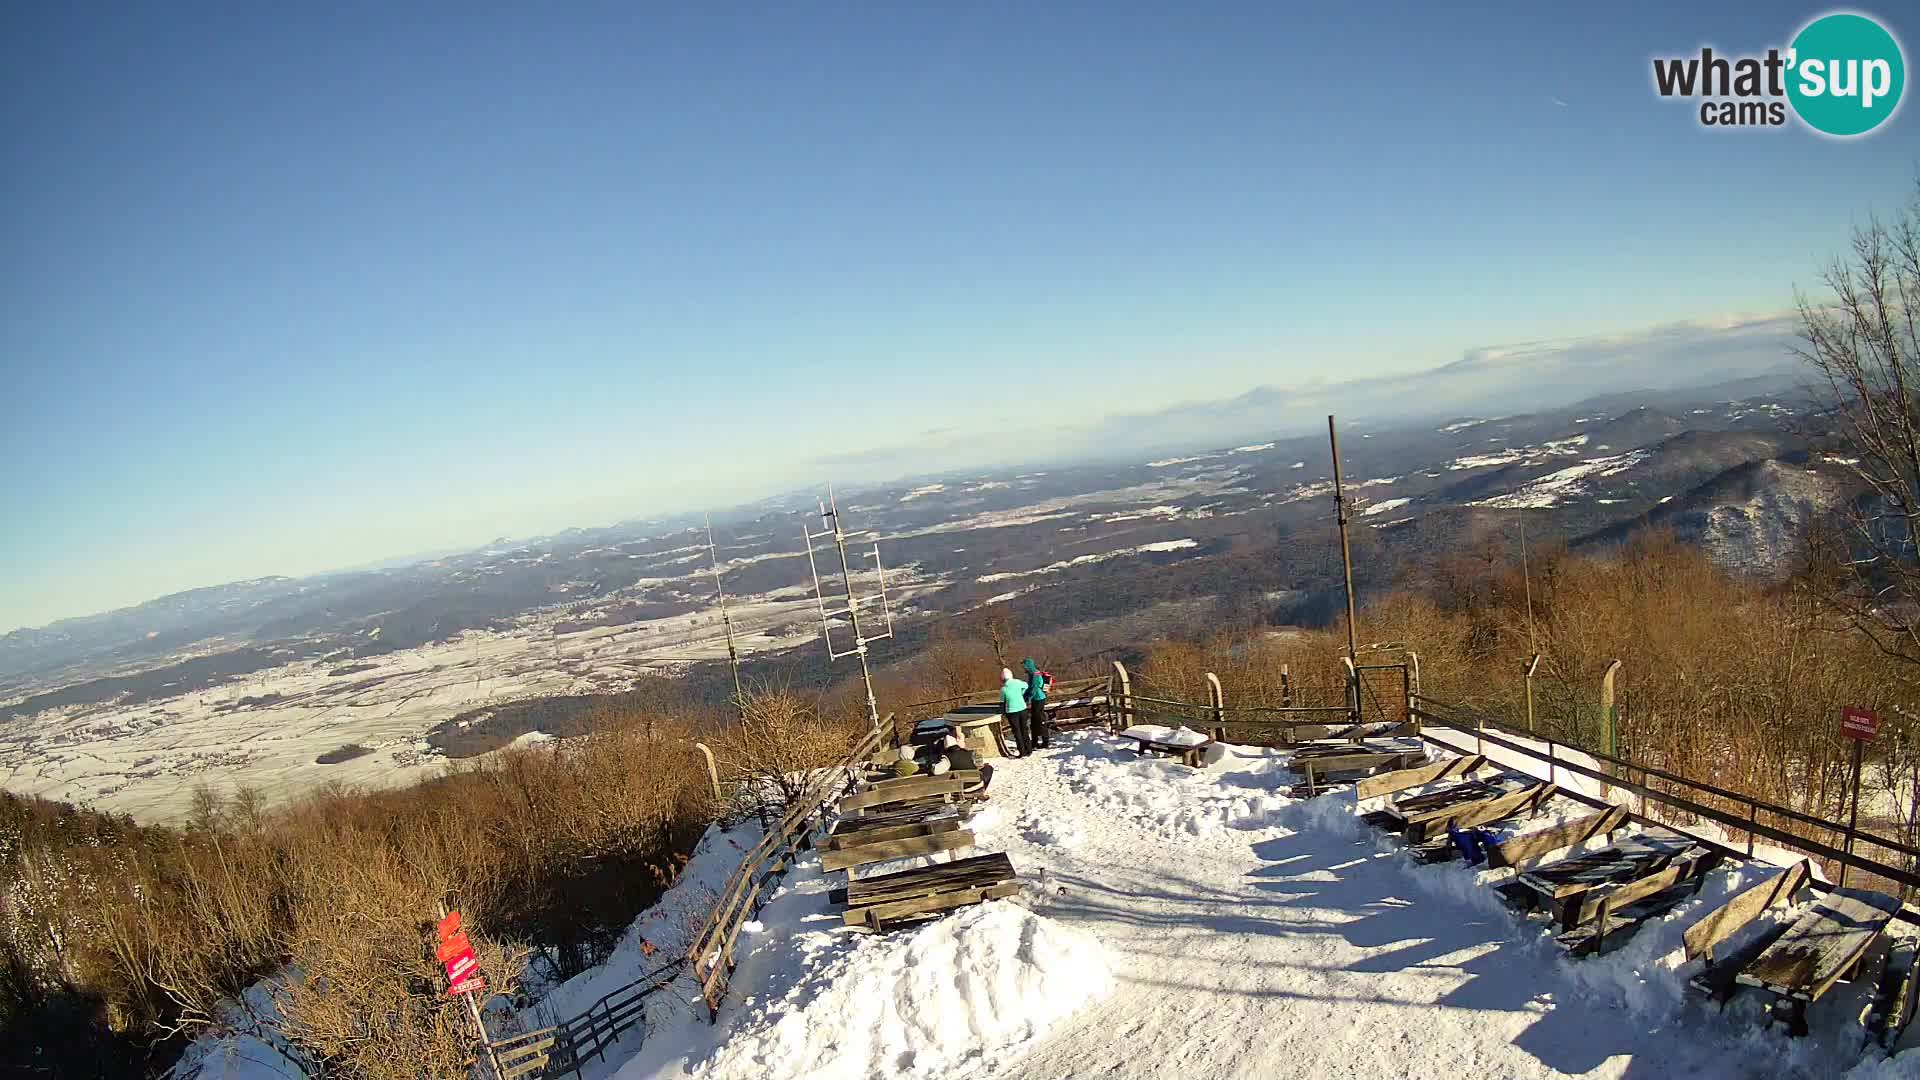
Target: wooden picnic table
[
  {"x": 1471, "y": 802},
  {"x": 1316, "y": 761},
  {"x": 890, "y": 900},
  {"x": 1573, "y": 887},
  {"x": 896, "y": 823},
  {"x": 1148, "y": 738},
  {"x": 1437, "y": 804},
  {"x": 1323, "y": 749},
  {"x": 1821, "y": 945}
]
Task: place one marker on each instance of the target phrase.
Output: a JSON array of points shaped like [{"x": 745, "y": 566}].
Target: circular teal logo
[{"x": 1845, "y": 74}]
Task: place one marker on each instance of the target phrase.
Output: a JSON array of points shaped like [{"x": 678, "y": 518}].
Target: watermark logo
[{"x": 1843, "y": 75}]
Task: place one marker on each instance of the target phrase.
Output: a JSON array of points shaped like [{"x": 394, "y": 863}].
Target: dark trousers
[
  {"x": 1021, "y": 738},
  {"x": 1037, "y": 723}
]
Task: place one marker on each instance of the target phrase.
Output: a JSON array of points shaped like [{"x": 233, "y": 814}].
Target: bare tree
[
  {"x": 1864, "y": 350},
  {"x": 995, "y": 625}
]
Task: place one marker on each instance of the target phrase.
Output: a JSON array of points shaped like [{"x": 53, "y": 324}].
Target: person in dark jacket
[
  {"x": 1036, "y": 705},
  {"x": 957, "y": 758}
]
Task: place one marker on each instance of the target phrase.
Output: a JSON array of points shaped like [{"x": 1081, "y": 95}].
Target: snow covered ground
[
  {"x": 1202, "y": 923},
  {"x": 1199, "y": 923}
]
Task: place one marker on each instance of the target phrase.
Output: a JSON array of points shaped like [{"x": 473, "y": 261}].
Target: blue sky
[{"x": 291, "y": 290}]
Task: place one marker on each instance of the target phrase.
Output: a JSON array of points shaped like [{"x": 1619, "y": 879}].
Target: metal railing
[{"x": 563, "y": 1046}]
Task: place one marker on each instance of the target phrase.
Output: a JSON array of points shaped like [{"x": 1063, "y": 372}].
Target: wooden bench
[
  {"x": 909, "y": 896},
  {"x": 1418, "y": 776},
  {"x": 1620, "y": 915},
  {"x": 1518, "y": 849}
]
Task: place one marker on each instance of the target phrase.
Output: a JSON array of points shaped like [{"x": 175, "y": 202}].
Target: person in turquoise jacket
[
  {"x": 1036, "y": 705},
  {"x": 1013, "y": 702}
]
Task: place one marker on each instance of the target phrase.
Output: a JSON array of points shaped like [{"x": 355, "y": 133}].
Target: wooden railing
[
  {"x": 1292, "y": 723},
  {"x": 711, "y": 956},
  {"x": 1072, "y": 703}
]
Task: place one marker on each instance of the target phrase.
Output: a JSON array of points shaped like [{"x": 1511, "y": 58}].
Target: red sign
[
  {"x": 456, "y": 952},
  {"x": 461, "y": 965},
  {"x": 1856, "y": 723}
]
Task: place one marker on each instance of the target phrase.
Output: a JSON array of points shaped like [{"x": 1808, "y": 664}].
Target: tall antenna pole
[
  {"x": 733, "y": 654},
  {"x": 1346, "y": 552},
  {"x": 1526, "y": 576},
  {"x": 830, "y": 516}
]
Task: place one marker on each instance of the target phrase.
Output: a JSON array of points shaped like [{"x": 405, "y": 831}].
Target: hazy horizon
[
  {"x": 1072, "y": 436},
  {"x": 294, "y": 290}
]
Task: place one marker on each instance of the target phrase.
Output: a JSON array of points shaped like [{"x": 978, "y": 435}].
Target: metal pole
[
  {"x": 1533, "y": 665},
  {"x": 1526, "y": 578},
  {"x": 733, "y": 654},
  {"x": 1346, "y": 552},
  {"x": 1853, "y": 819},
  {"x": 853, "y": 609},
  {"x": 479, "y": 1025}
]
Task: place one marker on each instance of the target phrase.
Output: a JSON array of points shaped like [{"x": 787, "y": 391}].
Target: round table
[{"x": 978, "y": 727}]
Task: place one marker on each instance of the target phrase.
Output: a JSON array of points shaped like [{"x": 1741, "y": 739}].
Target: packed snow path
[{"x": 1248, "y": 935}]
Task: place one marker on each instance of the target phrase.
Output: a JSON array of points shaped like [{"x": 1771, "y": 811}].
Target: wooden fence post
[
  {"x": 1607, "y": 734},
  {"x": 1121, "y": 696},
  {"x": 1286, "y": 686},
  {"x": 713, "y": 771},
  {"x": 1217, "y": 700}
]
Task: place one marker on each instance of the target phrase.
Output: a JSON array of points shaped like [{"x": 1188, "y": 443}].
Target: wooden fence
[
  {"x": 762, "y": 868},
  {"x": 1264, "y": 725},
  {"x": 1074, "y": 703}
]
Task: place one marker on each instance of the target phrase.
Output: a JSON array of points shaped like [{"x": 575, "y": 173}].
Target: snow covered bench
[{"x": 1184, "y": 743}]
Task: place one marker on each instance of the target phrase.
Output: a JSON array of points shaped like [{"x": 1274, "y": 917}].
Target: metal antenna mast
[
  {"x": 1346, "y": 552},
  {"x": 830, "y": 519},
  {"x": 733, "y": 654}
]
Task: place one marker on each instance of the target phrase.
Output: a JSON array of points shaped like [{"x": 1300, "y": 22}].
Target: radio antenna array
[
  {"x": 830, "y": 524},
  {"x": 733, "y": 653}
]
